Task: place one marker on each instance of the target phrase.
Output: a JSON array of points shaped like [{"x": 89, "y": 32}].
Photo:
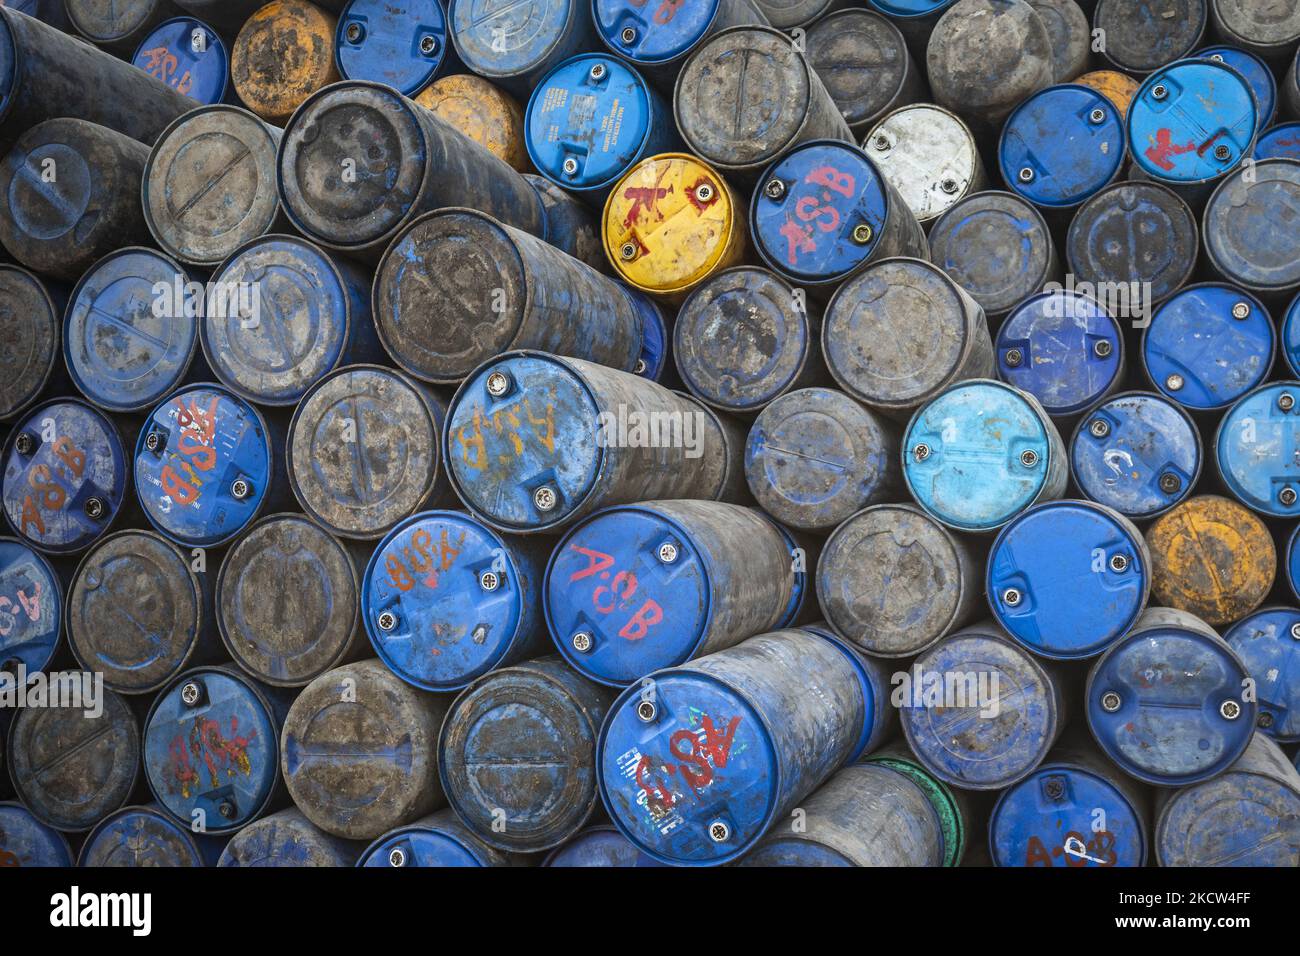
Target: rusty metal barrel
[
  {"x": 481, "y": 112},
  {"x": 284, "y": 53}
]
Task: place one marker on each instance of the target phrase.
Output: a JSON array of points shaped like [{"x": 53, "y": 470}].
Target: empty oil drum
[
  {"x": 73, "y": 192},
  {"x": 445, "y": 599},
  {"x": 697, "y": 762},
  {"x": 1138, "y": 453},
  {"x": 952, "y": 806},
  {"x": 281, "y": 314},
  {"x": 598, "y": 846},
  {"x": 534, "y": 442},
  {"x": 815, "y": 456},
  {"x": 1279, "y": 142},
  {"x": 132, "y": 329},
  {"x": 284, "y": 53},
  {"x": 1247, "y": 816},
  {"x": 981, "y": 453},
  {"x": 31, "y": 317},
  {"x": 1075, "y": 811},
  {"x": 288, "y": 838},
  {"x": 481, "y": 112},
  {"x": 145, "y": 836},
  {"x": 359, "y": 751},
  {"x": 997, "y": 247},
  {"x": 65, "y": 476},
  {"x": 900, "y": 332},
  {"x": 138, "y": 613},
  {"x": 1249, "y": 238},
  {"x": 205, "y": 466},
  {"x": 26, "y": 841},
  {"x": 635, "y": 589},
  {"x": 209, "y": 184},
  {"x": 1255, "y": 448},
  {"x": 864, "y": 64},
  {"x": 74, "y": 763},
  {"x": 358, "y": 162},
  {"x": 514, "y": 45},
  {"x": 874, "y": 680},
  {"x": 1268, "y": 643},
  {"x": 31, "y": 610},
  {"x": 658, "y": 43},
  {"x": 1133, "y": 245},
  {"x": 439, "y": 839},
  {"x": 1068, "y": 578},
  {"x": 1070, "y": 35},
  {"x": 1119, "y": 88},
  {"x": 188, "y": 56},
  {"x": 403, "y": 45},
  {"x": 457, "y": 287},
  {"x": 1166, "y": 702},
  {"x": 517, "y": 754},
  {"x": 823, "y": 211},
  {"x": 212, "y": 748},
  {"x": 1257, "y": 74},
  {"x": 118, "y": 28},
  {"x": 570, "y": 223},
  {"x": 1208, "y": 345},
  {"x": 1290, "y": 338},
  {"x": 929, "y": 155},
  {"x": 1064, "y": 349},
  {"x": 1139, "y": 41},
  {"x": 1268, "y": 30}
]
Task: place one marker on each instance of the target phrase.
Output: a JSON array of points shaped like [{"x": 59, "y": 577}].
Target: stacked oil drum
[{"x": 625, "y": 433}]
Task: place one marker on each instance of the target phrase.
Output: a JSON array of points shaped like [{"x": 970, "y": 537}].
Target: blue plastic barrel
[
  {"x": 1279, "y": 142},
  {"x": 1268, "y": 643},
  {"x": 31, "y": 609},
  {"x": 190, "y": 57},
  {"x": 288, "y": 839},
  {"x": 402, "y": 44},
  {"x": 514, "y": 44},
  {"x": 439, "y": 839},
  {"x": 145, "y": 836},
  {"x": 598, "y": 846},
  {"x": 1256, "y": 449},
  {"x": 26, "y": 841},
  {"x": 1257, "y": 74},
  {"x": 657, "y": 38}
]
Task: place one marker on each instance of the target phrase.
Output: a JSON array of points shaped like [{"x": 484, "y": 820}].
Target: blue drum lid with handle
[
  {"x": 1258, "y": 449},
  {"x": 187, "y": 55},
  {"x": 1280, "y": 142},
  {"x": 400, "y": 43},
  {"x": 653, "y": 32}
]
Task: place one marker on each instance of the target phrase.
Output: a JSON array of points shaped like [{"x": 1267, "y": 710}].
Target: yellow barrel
[
  {"x": 482, "y": 112},
  {"x": 283, "y": 54},
  {"x": 1212, "y": 557},
  {"x": 670, "y": 223},
  {"x": 1117, "y": 87}
]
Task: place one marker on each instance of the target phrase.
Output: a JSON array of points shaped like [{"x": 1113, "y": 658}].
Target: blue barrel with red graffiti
[
  {"x": 65, "y": 476},
  {"x": 439, "y": 839},
  {"x": 599, "y": 846},
  {"x": 26, "y": 841},
  {"x": 445, "y": 599},
  {"x": 1268, "y": 643},
  {"x": 514, "y": 44},
  {"x": 288, "y": 839},
  {"x": 31, "y": 609},
  {"x": 1279, "y": 142},
  {"x": 657, "y": 36},
  {"x": 145, "y": 836},
  {"x": 1257, "y": 74},
  {"x": 188, "y": 56},
  {"x": 212, "y": 748},
  {"x": 1256, "y": 449},
  {"x": 400, "y": 43}
]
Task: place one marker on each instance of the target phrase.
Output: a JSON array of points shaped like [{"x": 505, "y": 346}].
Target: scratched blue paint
[
  {"x": 144, "y": 836},
  {"x": 25, "y": 841},
  {"x": 1280, "y": 142},
  {"x": 1257, "y": 74},
  {"x": 1062, "y": 145},
  {"x": 1138, "y": 453},
  {"x": 288, "y": 839},
  {"x": 601, "y": 846},
  {"x": 1197, "y": 353},
  {"x": 121, "y": 353},
  {"x": 189, "y": 56},
  {"x": 1256, "y": 449},
  {"x": 75, "y": 458},
  {"x": 1268, "y": 643},
  {"x": 514, "y": 44},
  {"x": 1063, "y": 348},
  {"x": 31, "y": 608},
  {"x": 656, "y": 350},
  {"x": 400, "y": 43}
]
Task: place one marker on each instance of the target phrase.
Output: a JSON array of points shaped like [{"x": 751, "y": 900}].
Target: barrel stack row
[{"x": 603, "y": 433}]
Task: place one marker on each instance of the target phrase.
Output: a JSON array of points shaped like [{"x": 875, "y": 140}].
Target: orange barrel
[
  {"x": 489, "y": 116},
  {"x": 284, "y": 54}
]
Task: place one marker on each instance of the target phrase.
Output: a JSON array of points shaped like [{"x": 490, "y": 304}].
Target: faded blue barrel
[
  {"x": 1068, "y": 578},
  {"x": 31, "y": 317},
  {"x": 1246, "y": 816},
  {"x": 980, "y": 711},
  {"x": 288, "y": 838},
  {"x": 981, "y": 453},
  {"x": 1138, "y": 41},
  {"x": 955, "y": 808},
  {"x": 445, "y": 599},
  {"x": 656, "y": 359},
  {"x": 900, "y": 332},
  {"x": 658, "y": 39},
  {"x": 363, "y": 450},
  {"x": 145, "y": 836},
  {"x": 1255, "y": 449},
  {"x": 534, "y": 442},
  {"x": 1291, "y": 88},
  {"x": 874, "y": 681},
  {"x": 212, "y": 748},
  {"x": 138, "y": 613},
  {"x": 1063, "y": 348},
  {"x": 640, "y": 588},
  {"x": 517, "y": 754},
  {"x": 515, "y": 44},
  {"x": 997, "y": 247},
  {"x": 1250, "y": 238},
  {"x": 401, "y": 44},
  {"x": 65, "y": 476},
  {"x": 1280, "y": 142},
  {"x": 288, "y": 600},
  {"x": 698, "y": 762},
  {"x": 132, "y": 329},
  {"x": 1257, "y": 74},
  {"x": 1075, "y": 810},
  {"x": 205, "y": 464},
  {"x": 360, "y": 751},
  {"x": 816, "y": 456},
  {"x": 74, "y": 764},
  {"x": 1166, "y": 701},
  {"x": 1138, "y": 453},
  {"x": 439, "y": 839},
  {"x": 570, "y": 224},
  {"x": 1292, "y": 560},
  {"x": 1268, "y": 643},
  {"x": 52, "y": 12},
  {"x": 599, "y": 846},
  {"x": 26, "y": 841},
  {"x": 1268, "y": 30},
  {"x": 187, "y": 55},
  {"x": 1208, "y": 345},
  {"x": 1290, "y": 337},
  {"x": 31, "y": 609}
]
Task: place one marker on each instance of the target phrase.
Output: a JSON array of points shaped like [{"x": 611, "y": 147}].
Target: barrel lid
[
  {"x": 1237, "y": 819},
  {"x": 287, "y": 600},
  {"x": 140, "y": 836},
  {"x": 632, "y": 32},
  {"x": 1268, "y": 643},
  {"x": 1248, "y": 227},
  {"x": 505, "y": 40},
  {"x": 400, "y": 44},
  {"x": 901, "y": 9},
  {"x": 135, "y": 611},
  {"x": 597, "y": 846},
  {"x": 831, "y": 211},
  {"x": 42, "y": 209},
  {"x": 861, "y": 59},
  {"x": 187, "y": 55},
  {"x": 741, "y": 339},
  {"x": 363, "y": 450},
  {"x": 1191, "y": 122},
  {"x": 278, "y": 317},
  {"x": 219, "y": 757},
  {"x": 31, "y": 608},
  {"x": 108, "y": 22},
  {"x": 422, "y": 845},
  {"x": 67, "y": 489},
  {"x": 25, "y": 840},
  {"x": 202, "y": 436},
  {"x": 1200, "y": 354},
  {"x": 455, "y": 594},
  {"x": 1138, "y": 40},
  {"x": 1062, "y": 145},
  {"x": 1258, "y": 23},
  {"x": 1257, "y": 446},
  {"x": 1280, "y": 142},
  {"x": 952, "y": 824},
  {"x": 666, "y": 804},
  {"x": 1256, "y": 72},
  {"x": 283, "y": 53},
  {"x": 594, "y": 110},
  {"x": 29, "y": 338},
  {"x": 928, "y": 154},
  {"x": 127, "y": 346},
  {"x": 655, "y": 349},
  {"x": 1063, "y": 348}
]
